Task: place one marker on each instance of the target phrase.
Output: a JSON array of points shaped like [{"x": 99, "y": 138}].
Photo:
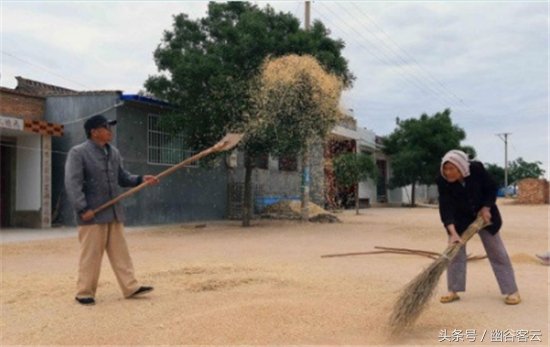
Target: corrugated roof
[
  {"x": 18, "y": 92},
  {"x": 32, "y": 87},
  {"x": 144, "y": 99}
]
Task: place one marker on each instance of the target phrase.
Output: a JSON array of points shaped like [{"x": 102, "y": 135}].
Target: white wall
[
  {"x": 28, "y": 173},
  {"x": 423, "y": 194},
  {"x": 366, "y": 144},
  {"x": 367, "y": 189}
]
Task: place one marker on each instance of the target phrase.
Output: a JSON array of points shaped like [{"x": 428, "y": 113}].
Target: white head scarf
[{"x": 458, "y": 159}]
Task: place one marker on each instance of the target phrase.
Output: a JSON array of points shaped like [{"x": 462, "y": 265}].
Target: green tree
[
  {"x": 206, "y": 67},
  {"x": 416, "y": 147},
  {"x": 496, "y": 172},
  {"x": 352, "y": 168},
  {"x": 468, "y": 150},
  {"x": 520, "y": 169}
]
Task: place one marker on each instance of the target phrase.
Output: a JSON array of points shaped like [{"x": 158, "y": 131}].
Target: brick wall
[
  {"x": 533, "y": 191},
  {"x": 19, "y": 105}
]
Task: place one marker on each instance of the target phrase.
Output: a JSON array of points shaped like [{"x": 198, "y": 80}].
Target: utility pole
[
  {"x": 305, "y": 155},
  {"x": 504, "y": 137},
  {"x": 308, "y": 15}
]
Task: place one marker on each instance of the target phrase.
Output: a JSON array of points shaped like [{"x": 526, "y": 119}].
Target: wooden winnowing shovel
[{"x": 229, "y": 141}]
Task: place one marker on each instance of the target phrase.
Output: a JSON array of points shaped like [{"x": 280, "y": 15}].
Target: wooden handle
[{"x": 229, "y": 141}]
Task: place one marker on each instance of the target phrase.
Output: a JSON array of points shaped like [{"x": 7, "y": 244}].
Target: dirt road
[{"x": 268, "y": 284}]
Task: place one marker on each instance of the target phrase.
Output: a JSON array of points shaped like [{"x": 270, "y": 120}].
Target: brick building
[{"x": 25, "y": 160}]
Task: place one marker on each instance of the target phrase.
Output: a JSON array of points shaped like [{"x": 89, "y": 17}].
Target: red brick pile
[{"x": 533, "y": 191}]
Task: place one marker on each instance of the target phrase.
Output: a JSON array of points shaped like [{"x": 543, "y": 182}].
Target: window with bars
[
  {"x": 261, "y": 161},
  {"x": 164, "y": 147},
  {"x": 288, "y": 163}
]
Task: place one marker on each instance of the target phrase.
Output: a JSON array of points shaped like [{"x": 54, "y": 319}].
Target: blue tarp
[
  {"x": 261, "y": 202},
  {"x": 510, "y": 191}
]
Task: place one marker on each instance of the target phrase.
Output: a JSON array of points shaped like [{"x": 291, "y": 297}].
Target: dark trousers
[{"x": 498, "y": 257}]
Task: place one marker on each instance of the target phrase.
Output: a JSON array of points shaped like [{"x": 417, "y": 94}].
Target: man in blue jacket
[{"x": 93, "y": 174}]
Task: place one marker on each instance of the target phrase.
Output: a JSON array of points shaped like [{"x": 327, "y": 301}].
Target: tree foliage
[
  {"x": 205, "y": 65},
  {"x": 520, "y": 169},
  {"x": 352, "y": 168},
  {"x": 517, "y": 170},
  {"x": 496, "y": 172},
  {"x": 416, "y": 147},
  {"x": 206, "y": 68}
]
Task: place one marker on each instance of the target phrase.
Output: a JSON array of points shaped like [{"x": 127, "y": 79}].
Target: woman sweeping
[{"x": 465, "y": 191}]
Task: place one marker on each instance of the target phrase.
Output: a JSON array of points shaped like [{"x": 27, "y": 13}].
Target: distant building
[
  {"x": 35, "y": 115},
  {"x": 192, "y": 193},
  {"x": 348, "y": 137},
  {"x": 25, "y": 160}
]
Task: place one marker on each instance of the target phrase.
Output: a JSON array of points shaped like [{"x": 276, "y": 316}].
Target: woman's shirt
[{"x": 460, "y": 202}]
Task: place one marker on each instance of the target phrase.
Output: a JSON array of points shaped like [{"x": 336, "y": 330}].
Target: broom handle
[{"x": 164, "y": 173}]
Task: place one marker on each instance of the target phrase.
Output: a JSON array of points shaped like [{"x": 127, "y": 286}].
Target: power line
[
  {"x": 386, "y": 60},
  {"x": 418, "y": 65},
  {"x": 418, "y": 81},
  {"x": 97, "y": 112},
  {"x": 43, "y": 68},
  {"x": 397, "y": 54},
  {"x": 441, "y": 92}
]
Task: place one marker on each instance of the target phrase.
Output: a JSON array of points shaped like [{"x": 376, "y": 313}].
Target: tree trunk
[
  {"x": 356, "y": 198},
  {"x": 305, "y": 185},
  {"x": 247, "y": 203}
]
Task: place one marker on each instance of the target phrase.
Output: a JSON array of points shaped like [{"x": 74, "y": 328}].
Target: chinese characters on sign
[
  {"x": 502, "y": 336},
  {"x": 11, "y": 123}
]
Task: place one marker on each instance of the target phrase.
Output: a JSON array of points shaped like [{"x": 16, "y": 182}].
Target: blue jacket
[
  {"x": 93, "y": 176},
  {"x": 459, "y": 204}
]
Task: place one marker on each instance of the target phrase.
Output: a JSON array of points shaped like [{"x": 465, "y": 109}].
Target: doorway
[
  {"x": 381, "y": 187},
  {"x": 7, "y": 180}
]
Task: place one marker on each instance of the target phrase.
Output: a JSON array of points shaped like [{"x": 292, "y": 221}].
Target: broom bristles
[{"x": 416, "y": 294}]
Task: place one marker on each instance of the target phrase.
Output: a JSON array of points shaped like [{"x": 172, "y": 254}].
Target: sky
[{"x": 487, "y": 61}]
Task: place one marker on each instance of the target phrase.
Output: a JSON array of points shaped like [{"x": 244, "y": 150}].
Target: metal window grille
[
  {"x": 288, "y": 163},
  {"x": 164, "y": 147}
]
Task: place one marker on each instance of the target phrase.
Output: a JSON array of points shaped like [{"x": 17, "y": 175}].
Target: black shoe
[
  {"x": 142, "y": 290},
  {"x": 85, "y": 301}
]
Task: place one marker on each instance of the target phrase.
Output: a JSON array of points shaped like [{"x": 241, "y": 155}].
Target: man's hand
[
  {"x": 150, "y": 179},
  {"x": 88, "y": 215},
  {"x": 485, "y": 213}
]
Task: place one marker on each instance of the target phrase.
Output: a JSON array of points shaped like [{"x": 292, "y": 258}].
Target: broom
[{"x": 417, "y": 293}]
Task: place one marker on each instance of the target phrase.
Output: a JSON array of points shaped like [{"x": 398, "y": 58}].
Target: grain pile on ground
[
  {"x": 291, "y": 209},
  {"x": 267, "y": 285}
]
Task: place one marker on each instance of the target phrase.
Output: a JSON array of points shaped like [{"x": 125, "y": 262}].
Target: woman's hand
[
  {"x": 454, "y": 238},
  {"x": 485, "y": 213}
]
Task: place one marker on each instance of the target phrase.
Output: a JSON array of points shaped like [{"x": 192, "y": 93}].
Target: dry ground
[{"x": 223, "y": 284}]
